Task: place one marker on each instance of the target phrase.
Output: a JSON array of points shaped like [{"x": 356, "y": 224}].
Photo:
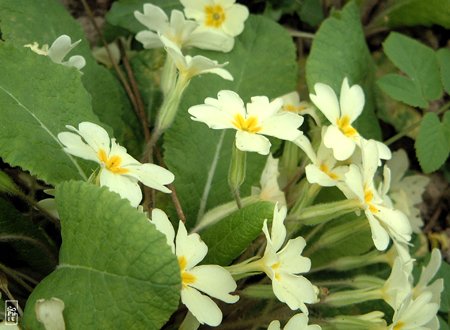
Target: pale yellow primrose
[
  {"x": 282, "y": 265},
  {"x": 323, "y": 169},
  {"x": 341, "y": 135},
  {"x": 189, "y": 66},
  {"x": 213, "y": 280},
  {"x": 58, "y": 51},
  {"x": 385, "y": 222},
  {"x": 259, "y": 118},
  {"x": 182, "y": 32},
  {"x": 222, "y": 15},
  {"x": 119, "y": 171}
]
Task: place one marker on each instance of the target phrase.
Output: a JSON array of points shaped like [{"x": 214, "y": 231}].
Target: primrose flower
[
  {"x": 385, "y": 222},
  {"x": 119, "y": 171},
  {"x": 341, "y": 136},
  {"x": 182, "y": 32},
  {"x": 282, "y": 266},
  {"x": 213, "y": 280},
  {"x": 406, "y": 191},
  {"x": 297, "y": 322},
  {"x": 58, "y": 50},
  {"x": 189, "y": 67},
  {"x": 419, "y": 313},
  {"x": 223, "y": 15},
  {"x": 260, "y": 117},
  {"x": 323, "y": 169},
  {"x": 291, "y": 103}
]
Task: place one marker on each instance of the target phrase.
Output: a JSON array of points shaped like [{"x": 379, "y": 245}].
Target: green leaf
[
  {"x": 444, "y": 273},
  {"x": 443, "y": 56},
  {"x": 199, "y": 156},
  {"x": 414, "y": 12},
  {"x": 432, "y": 145},
  {"x": 402, "y": 89},
  {"x": 24, "y": 22},
  {"x": 34, "y": 110},
  {"x": 420, "y": 63},
  {"x": 122, "y": 12},
  {"x": 116, "y": 270},
  {"x": 339, "y": 50},
  {"x": 27, "y": 241},
  {"x": 311, "y": 12},
  {"x": 228, "y": 238},
  {"x": 443, "y": 324},
  {"x": 446, "y": 123},
  {"x": 396, "y": 113}
]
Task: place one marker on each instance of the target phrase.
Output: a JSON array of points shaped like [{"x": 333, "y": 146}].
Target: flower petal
[
  {"x": 351, "y": 100},
  {"x": 149, "y": 39},
  {"x": 77, "y": 147},
  {"x": 380, "y": 236},
  {"x": 153, "y": 176},
  {"x": 154, "y": 18},
  {"x": 252, "y": 142},
  {"x": 343, "y": 147},
  {"x": 215, "y": 281},
  {"x": 202, "y": 307},
  {"x": 163, "y": 224},
  {"x": 283, "y": 125},
  {"x": 125, "y": 186},
  {"x": 190, "y": 246},
  {"x": 235, "y": 18},
  {"x": 326, "y": 100},
  {"x": 95, "y": 136}
]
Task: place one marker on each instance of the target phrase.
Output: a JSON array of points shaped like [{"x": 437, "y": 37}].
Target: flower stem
[{"x": 236, "y": 172}]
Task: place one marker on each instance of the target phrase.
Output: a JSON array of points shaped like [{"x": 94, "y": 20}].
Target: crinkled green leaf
[
  {"x": 414, "y": 12},
  {"x": 122, "y": 12},
  {"x": 262, "y": 63},
  {"x": 34, "y": 110},
  {"x": 228, "y": 238},
  {"x": 432, "y": 145},
  {"x": 420, "y": 63},
  {"x": 24, "y": 22},
  {"x": 116, "y": 270},
  {"x": 339, "y": 50},
  {"x": 27, "y": 241},
  {"x": 443, "y": 56}
]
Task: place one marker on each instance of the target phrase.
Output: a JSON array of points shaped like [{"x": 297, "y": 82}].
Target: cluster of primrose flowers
[{"x": 337, "y": 156}]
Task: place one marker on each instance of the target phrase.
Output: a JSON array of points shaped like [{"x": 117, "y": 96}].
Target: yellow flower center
[
  {"x": 275, "y": 268},
  {"x": 398, "y": 326},
  {"x": 112, "y": 163},
  {"x": 345, "y": 127},
  {"x": 324, "y": 168},
  {"x": 186, "y": 277},
  {"x": 215, "y": 16},
  {"x": 368, "y": 196},
  {"x": 294, "y": 108},
  {"x": 249, "y": 124}
]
